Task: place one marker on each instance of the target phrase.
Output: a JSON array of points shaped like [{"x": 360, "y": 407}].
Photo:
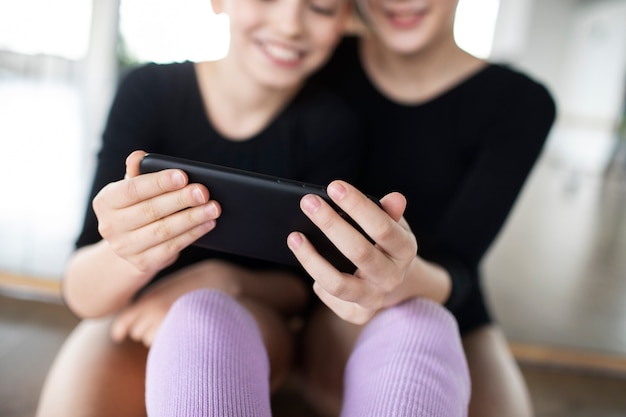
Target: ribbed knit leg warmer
[
  {"x": 408, "y": 361},
  {"x": 207, "y": 360}
]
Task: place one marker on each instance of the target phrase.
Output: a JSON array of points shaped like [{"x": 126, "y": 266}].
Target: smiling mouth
[
  {"x": 281, "y": 54},
  {"x": 405, "y": 18}
]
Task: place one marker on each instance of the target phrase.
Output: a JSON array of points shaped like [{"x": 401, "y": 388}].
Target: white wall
[
  {"x": 578, "y": 48},
  {"x": 50, "y": 124}
]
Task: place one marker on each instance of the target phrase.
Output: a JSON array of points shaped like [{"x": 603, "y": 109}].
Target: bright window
[
  {"x": 166, "y": 31},
  {"x": 475, "y": 26},
  {"x": 59, "y": 27}
]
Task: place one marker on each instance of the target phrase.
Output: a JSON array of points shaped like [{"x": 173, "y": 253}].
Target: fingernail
[
  {"x": 294, "y": 240},
  {"x": 178, "y": 179},
  {"x": 198, "y": 196},
  {"x": 211, "y": 210},
  {"x": 336, "y": 191},
  {"x": 310, "y": 203}
]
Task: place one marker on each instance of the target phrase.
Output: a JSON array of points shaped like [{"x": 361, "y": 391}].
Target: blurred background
[
  {"x": 60, "y": 62},
  {"x": 556, "y": 276}
]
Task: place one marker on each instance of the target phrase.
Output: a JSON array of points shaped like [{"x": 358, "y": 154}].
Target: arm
[
  {"x": 510, "y": 142},
  {"x": 145, "y": 221}
]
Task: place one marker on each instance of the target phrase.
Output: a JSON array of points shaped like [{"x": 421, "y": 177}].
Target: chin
[
  {"x": 404, "y": 48},
  {"x": 280, "y": 83}
]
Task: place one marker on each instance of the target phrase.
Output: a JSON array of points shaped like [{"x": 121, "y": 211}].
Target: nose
[{"x": 289, "y": 18}]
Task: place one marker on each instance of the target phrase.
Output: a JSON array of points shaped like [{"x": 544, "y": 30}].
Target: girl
[{"x": 457, "y": 136}]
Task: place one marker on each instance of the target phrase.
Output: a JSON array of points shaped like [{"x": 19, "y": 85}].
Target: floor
[
  {"x": 556, "y": 280},
  {"x": 32, "y": 331}
]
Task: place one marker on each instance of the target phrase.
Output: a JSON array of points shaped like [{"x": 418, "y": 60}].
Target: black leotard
[
  {"x": 460, "y": 158},
  {"x": 158, "y": 108}
]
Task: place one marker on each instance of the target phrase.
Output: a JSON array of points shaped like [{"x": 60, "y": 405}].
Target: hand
[
  {"x": 279, "y": 290},
  {"x": 148, "y": 219},
  {"x": 382, "y": 268},
  {"x": 141, "y": 320}
]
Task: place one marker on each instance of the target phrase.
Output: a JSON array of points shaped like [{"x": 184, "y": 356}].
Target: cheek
[
  {"x": 326, "y": 35},
  {"x": 244, "y": 19}
]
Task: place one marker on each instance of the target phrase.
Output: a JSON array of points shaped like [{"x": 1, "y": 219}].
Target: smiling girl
[
  {"x": 251, "y": 110},
  {"x": 457, "y": 136}
]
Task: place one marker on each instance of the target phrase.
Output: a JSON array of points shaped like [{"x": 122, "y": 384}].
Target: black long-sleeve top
[
  {"x": 158, "y": 108},
  {"x": 461, "y": 159}
]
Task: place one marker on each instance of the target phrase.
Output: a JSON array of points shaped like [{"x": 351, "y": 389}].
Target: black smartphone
[{"x": 258, "y": 211}]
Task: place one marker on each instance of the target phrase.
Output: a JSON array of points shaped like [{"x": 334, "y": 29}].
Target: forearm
[{"x": 97, "y": 282}]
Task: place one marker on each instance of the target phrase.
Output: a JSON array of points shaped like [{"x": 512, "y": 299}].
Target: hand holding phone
[{"x": 258, "y": 211}]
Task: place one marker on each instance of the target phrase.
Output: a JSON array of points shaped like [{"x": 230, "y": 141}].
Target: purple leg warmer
[
  {"x": 408, "y": 361},
  {"x": 207, "y": 360}
]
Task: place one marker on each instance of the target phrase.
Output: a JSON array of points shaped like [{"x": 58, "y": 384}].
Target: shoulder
[
  {"x": 510, "y": 96},
  {"x": 145, "y": 87},
  {"x": 519, "y": 86},
  {"x": 154, "y": 75}
]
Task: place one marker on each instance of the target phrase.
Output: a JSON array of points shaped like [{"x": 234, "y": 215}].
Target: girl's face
[
  {"x": 280, "y": 42},
  {"x": 409, "y": 26}
]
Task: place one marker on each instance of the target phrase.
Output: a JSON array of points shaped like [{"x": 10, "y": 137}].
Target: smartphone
[{"x": 258, "y": 211}]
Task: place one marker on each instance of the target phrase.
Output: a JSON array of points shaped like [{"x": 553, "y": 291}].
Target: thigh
[
  {"x": 326, "y": 344},
  {"x": 93, "y": 376},
  {"x": 498, "y": 386}
]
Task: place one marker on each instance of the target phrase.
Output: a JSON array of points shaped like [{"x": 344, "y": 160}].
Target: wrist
[
  {"x": 432, "y": 280},
  {"x": 423, "y": 279}
]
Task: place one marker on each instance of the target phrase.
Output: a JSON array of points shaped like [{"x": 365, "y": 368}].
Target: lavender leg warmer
[
  {"x": 207, "y": 360},
  {"x": 408, "y": 361}
]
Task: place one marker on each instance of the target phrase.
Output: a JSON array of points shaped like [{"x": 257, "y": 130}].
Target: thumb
[
  {"x": 132, "y": 163},
  {"x": 394, "y": 205}
]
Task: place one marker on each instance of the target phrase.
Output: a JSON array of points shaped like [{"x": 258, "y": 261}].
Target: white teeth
[
  {"x": 404, "y": 16},
  {"x": 281, "y": 53}
]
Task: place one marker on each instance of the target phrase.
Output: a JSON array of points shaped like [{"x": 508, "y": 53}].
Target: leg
[
  {"x": 408, "y": 361},
  {"x": 208, "y": 359},
  {"x": 93, "y": 376},
  {"x": 416, "y": 326},
  {"x": 498, "y": 387}
]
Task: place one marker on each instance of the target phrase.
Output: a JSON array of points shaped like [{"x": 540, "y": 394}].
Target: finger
[
  {"x": 313, "y": 263},
  {"x": 340, "y": 285},
  {"x": 139, "y": 328},
  {"x": 147, "y": 258},
  {"x": 348, "y": 311},
  {"x": 173, "y": 226},
  {"x": 389, "y": 235},
  {"x": 121, "y": 324},
  {"x": 394, "y": 204},
  {"x": 161, "y": 206},
  {"x": 132, "y": 163},
  {"x": 342, "y": 234},
  {"x": 134, "y": 190},
  {"x": 148, "y": 338}
]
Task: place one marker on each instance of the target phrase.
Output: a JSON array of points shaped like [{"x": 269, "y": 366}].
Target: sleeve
[
  {"x": 510, "y": 148},
  {"x": 131, "y": 125}
]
